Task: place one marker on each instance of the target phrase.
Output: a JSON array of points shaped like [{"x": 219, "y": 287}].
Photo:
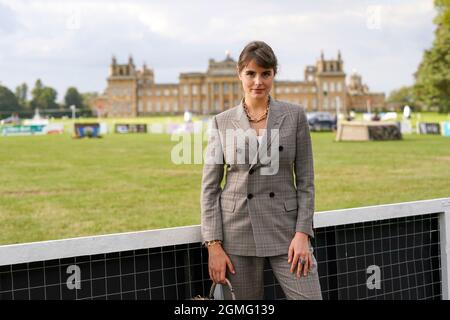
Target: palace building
[{"x": 133, "y": 92}]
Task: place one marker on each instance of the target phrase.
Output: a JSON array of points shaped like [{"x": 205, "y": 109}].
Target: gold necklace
[{"x": 261, "y": 118}]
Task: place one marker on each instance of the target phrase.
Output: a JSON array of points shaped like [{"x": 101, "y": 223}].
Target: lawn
[{"x": 55, "y": 187}]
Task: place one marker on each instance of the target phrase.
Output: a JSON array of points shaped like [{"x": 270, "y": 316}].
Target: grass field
[{"x": 55, "y": 187}]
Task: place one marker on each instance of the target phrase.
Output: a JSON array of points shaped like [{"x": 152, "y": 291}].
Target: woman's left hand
[{"x": 299, "y": 251}]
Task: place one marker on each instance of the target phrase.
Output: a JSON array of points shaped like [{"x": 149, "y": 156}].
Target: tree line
[
  {"x": 431, "y": 89},
  {"x": 43, "y": 97}
]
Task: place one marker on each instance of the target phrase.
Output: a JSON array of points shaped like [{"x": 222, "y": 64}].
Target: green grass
[{"x": 55, "y": 187}]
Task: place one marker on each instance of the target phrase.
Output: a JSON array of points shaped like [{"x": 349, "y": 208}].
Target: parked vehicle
[{"x": 321, "y": 121}]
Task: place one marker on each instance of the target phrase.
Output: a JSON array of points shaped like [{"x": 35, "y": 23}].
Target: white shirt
[{"x": 259, "y": 139}]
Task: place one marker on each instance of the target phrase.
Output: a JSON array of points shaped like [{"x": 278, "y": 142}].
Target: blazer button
[
  {"x": 271, "y": 194},
  {"x": 251, "y": 171},
  {"x": 249, "y": 196},
  {"x": 280, "y": 148}
]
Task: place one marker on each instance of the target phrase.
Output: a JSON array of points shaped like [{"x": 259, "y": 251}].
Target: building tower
[{"x": 330, "y": 82}]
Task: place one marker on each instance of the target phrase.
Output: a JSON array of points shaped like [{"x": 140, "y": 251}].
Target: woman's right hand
[{"x": 218, "y": 262}]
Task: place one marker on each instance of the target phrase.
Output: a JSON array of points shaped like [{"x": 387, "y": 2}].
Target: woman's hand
[
  {"x": 299, "y": 250},
  {"x": 218, "y": 261}
]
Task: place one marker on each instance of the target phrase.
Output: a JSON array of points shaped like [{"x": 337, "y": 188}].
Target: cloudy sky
[{"x": 71, "y": 43}]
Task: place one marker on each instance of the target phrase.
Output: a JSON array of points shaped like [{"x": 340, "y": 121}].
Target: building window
[
  {"x": 338, "y": 87},
  {"x": 185, "y": 90},
  {"x": 278, "y": 90},
  {"x": 236, "y": 88},
  {"x": 175, "y": 106},
  {"x": 166, "y": 106},
  {"x": 166, "y": 92},
  {"x": 338, "y": 102},
  {"x": 314, "y": 104},
  {"x": 204, "y": 89},
  {"x": 216, "y": 105},
  {"x": 158, "y": 93},
  {"x": 158, "y": 106},
  {"x": 194, "y": 90},
  {"x": 225, "y": 88},
  {"x": 287, "y": 90},
  {"x": 216, "y": 88},
  {"x": 325, "y": 103},
  {"x": 331, "y": 86},
  {"x": 325, "y": 87},
  {"x": 313, "y": 89},
  {"x": 149, "y": 106},
  {"x": 196, "y": 105}
]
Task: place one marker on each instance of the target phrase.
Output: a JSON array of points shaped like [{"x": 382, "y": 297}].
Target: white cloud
[{"x": 71, "y": 43}]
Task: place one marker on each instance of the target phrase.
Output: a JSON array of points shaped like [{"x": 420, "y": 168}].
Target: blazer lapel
[
  {"x": 274, "y": 120},
  {"x": 240, "y": 122}
]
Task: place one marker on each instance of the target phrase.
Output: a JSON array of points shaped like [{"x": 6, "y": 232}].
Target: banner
[
  {"x": 429, "y": 128},
  {"x": 90, "y": 130},
  {"x": 446, "y": 129},
  {"x": 19, "y": 130},
  {"x": 131, "y": 128}
]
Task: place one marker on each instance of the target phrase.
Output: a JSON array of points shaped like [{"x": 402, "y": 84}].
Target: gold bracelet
[{"x": 212, "y": 242}]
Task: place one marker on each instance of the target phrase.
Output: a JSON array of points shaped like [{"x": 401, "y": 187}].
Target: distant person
[
  {"x": 256, "y": 214},
  {"x": 13, "y": 119},
  {"x": 407, "y": 112}
]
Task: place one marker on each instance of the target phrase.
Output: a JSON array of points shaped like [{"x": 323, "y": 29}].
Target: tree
[
  {"x": 44, "y": 98},
  {"x": 88, "y": 98},
  {"x": 8, "y": 101},
  {"x": 403, "y": 96},
  {"x": 48, "y": 98},
  {"x": 36, "y": 93},
  {"x": 73, "y": 97},
  {"x": 22, "y": 95},
  {"x": 432, "y": 87}
]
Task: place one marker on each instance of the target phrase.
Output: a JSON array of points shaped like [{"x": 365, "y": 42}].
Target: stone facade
[
  {"x": 360, "y": 98},
  {"x": 131, "y": 92}
]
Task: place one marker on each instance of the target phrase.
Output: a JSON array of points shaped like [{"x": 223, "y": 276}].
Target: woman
[{"x": 260, "y": 212}]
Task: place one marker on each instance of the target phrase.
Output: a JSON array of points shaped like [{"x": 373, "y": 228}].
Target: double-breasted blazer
[{"x": 263, "y": 202}]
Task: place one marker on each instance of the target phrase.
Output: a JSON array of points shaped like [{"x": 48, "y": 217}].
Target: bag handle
[{"x": 230, "y": 287}]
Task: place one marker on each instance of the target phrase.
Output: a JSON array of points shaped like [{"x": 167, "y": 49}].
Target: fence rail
[{"x": 410, "y": 242}]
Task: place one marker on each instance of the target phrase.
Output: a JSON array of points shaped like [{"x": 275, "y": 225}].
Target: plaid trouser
[{"x": 248, "y": 282}]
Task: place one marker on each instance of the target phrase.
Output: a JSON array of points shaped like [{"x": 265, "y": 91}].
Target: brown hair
[{"x": 261, "y": 52}]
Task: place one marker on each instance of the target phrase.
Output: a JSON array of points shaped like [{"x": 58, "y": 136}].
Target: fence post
[{"x": 444, "y": 224}]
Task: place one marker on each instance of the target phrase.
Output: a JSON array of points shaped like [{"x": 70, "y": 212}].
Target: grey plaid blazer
[{"x": 258, "y": 211}]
